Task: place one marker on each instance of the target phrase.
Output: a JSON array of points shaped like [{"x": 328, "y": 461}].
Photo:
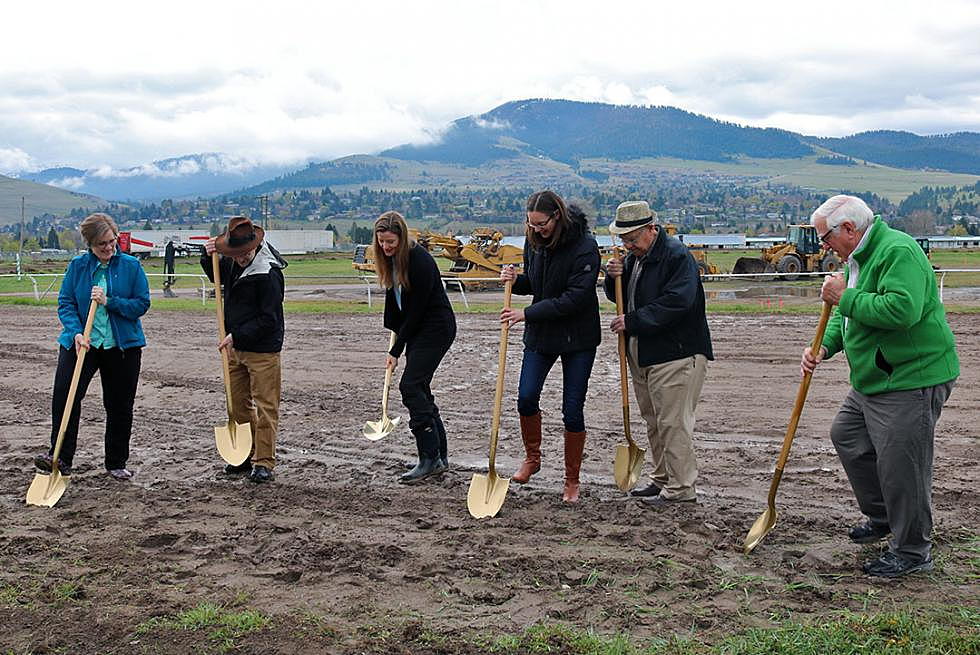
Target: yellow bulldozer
[
  {"x": 801, "y": 253},
  {"x": 481, "y": 257}
]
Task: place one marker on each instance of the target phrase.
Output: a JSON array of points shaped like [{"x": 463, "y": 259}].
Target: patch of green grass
[
  {"x": 223, "y": 626},
  {"x": 9, "y": 595},
  {"x": 68, "y": 592},
  {"x": 899, "y": 633}
]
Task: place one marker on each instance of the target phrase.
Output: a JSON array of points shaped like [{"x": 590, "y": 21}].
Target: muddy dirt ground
[{"x": 338, "y": 553}]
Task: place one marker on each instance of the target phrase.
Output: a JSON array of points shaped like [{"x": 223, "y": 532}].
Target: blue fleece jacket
[{"x": 128, "y": 298}]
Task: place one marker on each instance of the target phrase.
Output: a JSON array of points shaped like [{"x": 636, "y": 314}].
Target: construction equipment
[
  {"x": 234, "y": 440},
  {"x": 486, "y": 494},
  {"x": 46, "y": 490},
  {"x": 767, "y": 519},
  {"x": 481, "y": 257},
  {"x": 381, "y": 428},
  {"x": 801, "y": 253}
]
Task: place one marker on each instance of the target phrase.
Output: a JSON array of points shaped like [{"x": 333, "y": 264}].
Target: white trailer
[{"x": 152, "y": 243}]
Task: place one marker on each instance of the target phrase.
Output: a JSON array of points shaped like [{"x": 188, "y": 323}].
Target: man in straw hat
[
  {"x": 251, "y": 273},
  {"x": 668, "y": 346}
]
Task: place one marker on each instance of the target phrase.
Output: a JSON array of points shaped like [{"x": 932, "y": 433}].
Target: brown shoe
[
  {"x": 531, "y": 435},
  {"x": 574, "y": 445}
]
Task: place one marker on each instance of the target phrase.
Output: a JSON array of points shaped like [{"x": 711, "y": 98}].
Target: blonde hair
[
  {"x": 95, "y": 226},
  {"x": 394, "y": 269}
]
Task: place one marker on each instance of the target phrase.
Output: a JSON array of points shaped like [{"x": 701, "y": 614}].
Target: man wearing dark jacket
[
  {"x": 668, "y": 346},
  {"x": 251, "y": 273}
]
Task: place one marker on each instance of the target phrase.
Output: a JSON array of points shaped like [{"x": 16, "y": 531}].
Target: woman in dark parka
[{"x": 561, "y": 267}]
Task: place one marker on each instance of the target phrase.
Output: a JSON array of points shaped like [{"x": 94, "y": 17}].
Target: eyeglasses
[
  {"x": 539, "y": 226},
  {"x": 629, "y": 241},
  {"x": 823, "y": 237}
]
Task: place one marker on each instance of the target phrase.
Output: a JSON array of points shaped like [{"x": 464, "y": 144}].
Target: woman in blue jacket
[
  {"x": 116, "y": 282},
  {"x": 561, "y": 266}
]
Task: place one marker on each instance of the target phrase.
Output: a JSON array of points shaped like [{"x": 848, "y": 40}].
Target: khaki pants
[
  {"x": 668, "y": 395},
  {"x": 256, "y": 386}
]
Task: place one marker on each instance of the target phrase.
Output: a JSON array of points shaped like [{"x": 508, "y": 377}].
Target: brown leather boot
[
  {"x": 574, "y": 445},
  {"x": 531, "y": 435}
]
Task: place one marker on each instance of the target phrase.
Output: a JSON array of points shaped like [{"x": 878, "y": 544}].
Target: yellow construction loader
[
  {"x": 481, "y": 257},
  {"x": 802, "y": 253}
]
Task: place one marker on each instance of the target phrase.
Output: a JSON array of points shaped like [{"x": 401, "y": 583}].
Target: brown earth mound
[{"x": 340, "y": 552}]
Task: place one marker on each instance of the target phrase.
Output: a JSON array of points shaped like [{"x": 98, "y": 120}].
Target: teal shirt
[{"x": 101, "y": 330}]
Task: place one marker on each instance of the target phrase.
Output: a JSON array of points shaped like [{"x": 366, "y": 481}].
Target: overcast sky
[{"x": 91, "y": 84}]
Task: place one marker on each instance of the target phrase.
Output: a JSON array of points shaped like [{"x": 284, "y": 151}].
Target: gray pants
[{"x": 885, "y": 443}]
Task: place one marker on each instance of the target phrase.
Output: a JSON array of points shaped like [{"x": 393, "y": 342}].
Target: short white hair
[{"x": 842, "y": 208}]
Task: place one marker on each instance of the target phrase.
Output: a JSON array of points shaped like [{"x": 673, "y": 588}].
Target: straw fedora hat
[
  {"x": 241, "y": 236},
  {"x": 631, "y": 215}
]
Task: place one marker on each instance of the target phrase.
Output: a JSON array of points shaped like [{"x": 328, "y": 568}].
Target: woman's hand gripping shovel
[
  {"x": 629, "y": 457},
  {"x": 47, "y": 489},
  {"x": 380, "y": 429},
  {"x": 767, "y": 520},
  {"x": 234, "y": 440},
  {"x": 486, "y": 494}
]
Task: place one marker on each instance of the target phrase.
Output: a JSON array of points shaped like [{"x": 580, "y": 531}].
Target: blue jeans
[{"x": 576, "y": 368}]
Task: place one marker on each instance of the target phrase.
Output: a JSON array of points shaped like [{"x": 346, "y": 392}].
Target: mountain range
[{"x": 531, "y": 143}]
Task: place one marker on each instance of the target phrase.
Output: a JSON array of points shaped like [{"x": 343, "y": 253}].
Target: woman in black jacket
[
  {"x": 561, "y": 266},
  {"x": 417, "y": 310}
]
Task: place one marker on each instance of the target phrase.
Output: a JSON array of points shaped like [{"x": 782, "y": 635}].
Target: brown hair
[
  {"x": 547, "y": 202},
  {"x": 95, "y": 225},
  {"x": 389, "y": 268}
]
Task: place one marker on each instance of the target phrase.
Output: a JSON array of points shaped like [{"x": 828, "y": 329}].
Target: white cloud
[
  {"x": 15, "y": 160},
  {"x": 320, "y": 80}
]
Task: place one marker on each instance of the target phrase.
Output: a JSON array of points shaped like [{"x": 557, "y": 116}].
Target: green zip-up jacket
[{"x": 896, "y": 336}]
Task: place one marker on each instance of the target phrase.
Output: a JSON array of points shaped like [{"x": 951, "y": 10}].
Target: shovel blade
[
  {"x": 627, "y": 466},
  {"x": 234, "y": 442},
  {"x": 375, "y": 430},
  {"x": 47, "y": 489},
  {"x": 760, "y": 529},
  {"x": 486, "y": 495}
]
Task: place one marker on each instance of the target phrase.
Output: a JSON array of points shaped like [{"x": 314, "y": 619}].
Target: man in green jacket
[{"x": 892, "y": 327}]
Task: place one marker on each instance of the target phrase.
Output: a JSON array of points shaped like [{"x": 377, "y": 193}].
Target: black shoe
[
  {"x": 43, "y": 463},
  {"x": 645, "y": 492},
  {"x": 425, "y": 468},
  {"x": 261, "y": 474},
  {"x": 868, "y": 532},
  {"x": 891, "y": 565},
  {"x": 659, "y": 501},
  {"x": 244, "y": 467}
]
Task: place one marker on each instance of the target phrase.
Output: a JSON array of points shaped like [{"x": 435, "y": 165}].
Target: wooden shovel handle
[
  {"x": 501, "y": 364},
  {"x": 618, "y": 283},
  {"x": 798, "y": 405},
  {"x": 219, "y": 301},
  {"x": 73, "y": 388},
  {"x": 388, "y": 374}
]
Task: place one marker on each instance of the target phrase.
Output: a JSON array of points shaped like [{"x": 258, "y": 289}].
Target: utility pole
[
  {"x": 264, "y": 210},
  {"x": 20, "y": 247}
]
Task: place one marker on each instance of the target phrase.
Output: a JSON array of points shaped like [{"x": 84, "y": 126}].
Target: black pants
[
  {"x": 422, "y": 358},
  {"x": 120, "y": 372}
]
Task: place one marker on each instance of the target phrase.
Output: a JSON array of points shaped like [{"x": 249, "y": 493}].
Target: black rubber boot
[
  {"x": 427, "y": 441},
  {"x": 443, "y": 442}
]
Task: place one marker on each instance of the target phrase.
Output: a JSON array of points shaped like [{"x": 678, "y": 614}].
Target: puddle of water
[{"x": 763, "y": 291}]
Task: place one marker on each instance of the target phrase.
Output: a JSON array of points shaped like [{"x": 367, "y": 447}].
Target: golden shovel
[
  {"x": 767, "y": 520},
  {"x": 629, "y": 456},
  {"x": 486, "y": 494},
  {"x": 234, "y": 440},
  {"x": 375, "y": 430},
  {"x": 47, "y": 488}
]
